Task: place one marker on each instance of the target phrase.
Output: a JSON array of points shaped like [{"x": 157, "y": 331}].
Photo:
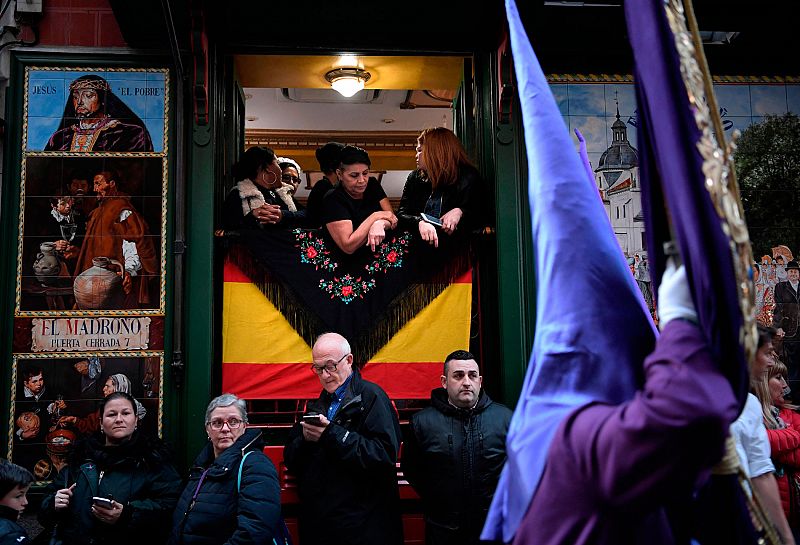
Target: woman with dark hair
[
  {"x": 255, "y": 200},
  {"x": 328, "y": 159},
  {"x": 119, "y": 488},
  {"x": 445, "y": 188},
  {"x": 357, "y": 212},
  {"x": 232, "y": 495},
  {"x": 95, "y": 119}
]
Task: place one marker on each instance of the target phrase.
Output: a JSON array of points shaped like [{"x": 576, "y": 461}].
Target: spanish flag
[{"x": 263, "y": 357}]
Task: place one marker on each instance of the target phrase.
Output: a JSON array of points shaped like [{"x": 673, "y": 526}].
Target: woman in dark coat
[
  {"x": 132, "y": 471},
  {"x": 445, "y": 187},
  {"x": 216, "y": 507}
]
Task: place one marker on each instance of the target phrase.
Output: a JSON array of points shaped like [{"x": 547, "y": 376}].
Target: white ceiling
[{"x": 336, "y": 113}]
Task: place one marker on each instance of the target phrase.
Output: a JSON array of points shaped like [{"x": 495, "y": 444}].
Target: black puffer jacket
[
  {"x": 348, "y": 480},
  {"x": 137, "y": 474},
  {"x": 11, "y": 533},
  {"x": 453, "y": 458},
  {"x": 219, "y": 513}
]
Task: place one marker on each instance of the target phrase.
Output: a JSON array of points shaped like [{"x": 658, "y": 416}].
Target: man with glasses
[
  {"x": 290, "y": 181},
  {"x": 454, "y": 452},
  {"x": 344, "y": 454},
  {"x": 290, "y": 173}
]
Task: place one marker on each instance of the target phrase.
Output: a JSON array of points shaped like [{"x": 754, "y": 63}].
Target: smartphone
[
  {"x": 431, "y": 219},
  {"x": 105, "y": 503},
  {"x": 312, "y": 419}
]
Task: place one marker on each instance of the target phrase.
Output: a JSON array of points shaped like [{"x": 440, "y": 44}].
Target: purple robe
[{"x": 611, "y": 468}]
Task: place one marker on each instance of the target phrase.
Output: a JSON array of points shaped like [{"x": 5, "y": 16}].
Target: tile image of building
[{"x": 617, "y": 177}]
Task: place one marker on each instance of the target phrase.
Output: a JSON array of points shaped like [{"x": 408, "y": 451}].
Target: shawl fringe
[{"x": 397, "y": 313}]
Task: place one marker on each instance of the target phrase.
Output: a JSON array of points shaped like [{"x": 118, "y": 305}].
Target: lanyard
[{"x": 197, "y": 490}]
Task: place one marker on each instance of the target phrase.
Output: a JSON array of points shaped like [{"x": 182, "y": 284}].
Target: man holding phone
[
  {"x": 105, "y": 503},
  {"x": 343, "y": 453}
]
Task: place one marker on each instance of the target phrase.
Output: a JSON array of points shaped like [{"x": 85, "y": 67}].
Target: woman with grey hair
[{"x": 232, "y": 495}]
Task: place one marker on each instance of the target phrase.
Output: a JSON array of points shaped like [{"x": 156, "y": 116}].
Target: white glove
[{"x": 674, "y": 297}]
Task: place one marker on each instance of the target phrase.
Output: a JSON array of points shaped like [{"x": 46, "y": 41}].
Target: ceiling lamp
[{"x": 348, "y": 81}]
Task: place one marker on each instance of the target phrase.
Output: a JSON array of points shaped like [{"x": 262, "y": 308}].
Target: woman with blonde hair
[
  {"x": 445, "y": 191},
  {"x": 783, "y": 429}
]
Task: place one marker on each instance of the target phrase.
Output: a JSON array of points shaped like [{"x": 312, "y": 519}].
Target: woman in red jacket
[{"x": 783, "y": 429}]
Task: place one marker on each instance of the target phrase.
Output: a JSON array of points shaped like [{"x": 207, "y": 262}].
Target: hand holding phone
[
  {"x": 313, "y": 420},
  {"x": 431, "y": 219},
  {"x": 105, "y": 503}
]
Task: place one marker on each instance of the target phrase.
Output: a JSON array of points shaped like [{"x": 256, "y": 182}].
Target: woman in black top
[
  {"x": 357, "y": 212},
  {"x": 328, "y": 159},
  {"x": 445, "y": 186},
  {"x": 254, "y": 201}
]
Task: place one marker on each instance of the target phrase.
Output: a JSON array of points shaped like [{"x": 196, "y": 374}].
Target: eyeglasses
[
  {"x": 217, "y": 425},
  {"x": 290, "y": 178},
  {"x": 330, "y": 366}
]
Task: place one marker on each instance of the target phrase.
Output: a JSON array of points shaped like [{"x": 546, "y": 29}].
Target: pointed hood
[
  {"x": 592, "y": 327},
  {"x": 584, "y": 155}
]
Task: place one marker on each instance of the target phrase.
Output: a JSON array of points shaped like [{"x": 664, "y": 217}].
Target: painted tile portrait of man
[{"x": 99, "y": 111}]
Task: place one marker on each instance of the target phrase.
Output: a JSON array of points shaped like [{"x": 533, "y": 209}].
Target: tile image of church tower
[{"x": 617, "y": 177}]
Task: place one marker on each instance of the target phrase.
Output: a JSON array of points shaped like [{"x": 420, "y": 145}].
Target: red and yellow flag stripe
[{"x": 263, "y": 357}]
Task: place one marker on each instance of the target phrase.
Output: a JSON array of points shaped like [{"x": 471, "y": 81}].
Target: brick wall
[{"x": 88, "y": 23}]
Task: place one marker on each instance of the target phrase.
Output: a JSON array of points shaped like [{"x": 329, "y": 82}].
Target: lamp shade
[{"x": 348, "y": 81}]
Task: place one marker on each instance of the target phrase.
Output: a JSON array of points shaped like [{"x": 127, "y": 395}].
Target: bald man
[{"x": 343, "y": 453}]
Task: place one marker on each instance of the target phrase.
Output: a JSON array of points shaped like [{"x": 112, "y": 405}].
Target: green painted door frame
[
  {"x": 9, "y": 227},
  {"x": 502, "y": 153},
  {"x": 213, "y": 148},
  {"x": 198, "y": 304}
]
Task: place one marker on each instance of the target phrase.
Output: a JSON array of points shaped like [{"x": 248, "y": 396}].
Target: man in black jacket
[
  {"x": 344, "y": 454},
  {"x": 454, "y": 452},
  {"x": 786, "y": 318}
]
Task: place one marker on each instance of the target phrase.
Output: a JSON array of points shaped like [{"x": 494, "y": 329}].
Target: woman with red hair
[{"x": 444, "y": 193}]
